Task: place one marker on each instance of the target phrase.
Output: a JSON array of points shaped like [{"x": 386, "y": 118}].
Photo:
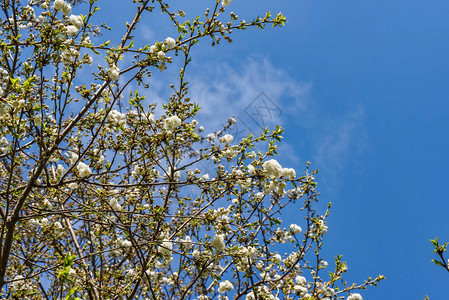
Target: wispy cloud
[
  {"x": 342, "y": 141},
  {"x": 257, "y": 93},
  {"x": 224, "y": 91},
  {"x": 330, "y": 141},
  {"x": 146, "y": 33},
  {"x": 260, "y": 94}
]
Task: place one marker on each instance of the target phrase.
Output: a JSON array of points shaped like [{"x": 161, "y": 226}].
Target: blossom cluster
[
  {"x": 76, "y": 24},
  {"x": 225, "y": 286},
  {"x": 355, "y": 296},
  {"x": 274, "y": 169},
  {"x": 116, "y": 118},
  {"x": 171, "y": 123},
  {"x": 4, "y": 76},
  {"x": 83, "y": 169},
  {"x": 63, "y": 6},
  {"x": 113, "y": 73},
  {"x": 68, "y": 55}
]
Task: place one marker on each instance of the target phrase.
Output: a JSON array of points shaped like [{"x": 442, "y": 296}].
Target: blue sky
[{"x": 362, "y": 86}]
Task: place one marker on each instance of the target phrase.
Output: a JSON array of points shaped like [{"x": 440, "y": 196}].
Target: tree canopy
[{"x": 102, "y": 197}]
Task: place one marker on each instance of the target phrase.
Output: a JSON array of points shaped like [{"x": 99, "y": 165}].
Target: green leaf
[
  {"x": 70, "y": 293},
  {"x": 437, "y": 262}
]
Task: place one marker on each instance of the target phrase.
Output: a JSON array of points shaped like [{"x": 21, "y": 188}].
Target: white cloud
[
  {"x": 342, "y": 141},
  {"x": 224, "y": 91},
  {"x": 147, "y": 33},
  {"x": 256, "y": 92},
  {"x": 328, "y": 140},
  {"x": 316, "y": 134}
]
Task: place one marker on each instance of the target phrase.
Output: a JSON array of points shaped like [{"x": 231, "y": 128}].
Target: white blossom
[
  {"x": 165, "y": 248},
  {"x": 113, "y": 73},
  {"x": 289, "y": 172},
  {"x": 322, "y": 226},
  {"x": 58, "y": 226},
  {"x": 83, "y": 169},
  {"x": 161, "y": 55},
  {"x": 59, "y": 4},
  {"x": 148, "y": 117},
  {"x": 225, "y": 286},
  {"x": 60, "y": 170},
  {"x": 18, "y": 103},
  {"x": 115, "y": 205},
  {"x": 47, "y": 203},
  {"x": 172, "y": 123},
  {"x": 150, "y": 273},
  {"x": 32, "y": 15},
  {"x": 210, "y": 137},
  {"x": 226, "y": 2},
  {"x": 277, "y": 258},
  {"x": 65, "y": 7},
  {"x": 43, "y": 222},
  {"x": 116, "y": 118},
  {"x": 272, "y": 168},
  {"x": 196, "y": 253},
  {"x": 248, "y": 252},
  {"x": 218, "y": 242},
  {"x": 72, "y": 30},
  {"x": 226, "y": 139},
  {"x": 301, "y": 290},
  {"x": 324, "y": 264},
  {"x": 251, "y": 170},
  {"x": 86, "y": 41},
  {"x": 230, "y": 152},
  {"x": 170, "y": 42},
  {"x": 355, "y": 296},
  {"x": 19, "y": 284},
  {"x": 301, "y": 280},
  {"x": 269, "y": 187},
  {"x": 175, "y": 177},
  {"x": 295, "y": 228},
  {"x": 187, "y": 242},
  {"x": 68, "y": 54},
  {"x": 136, "y": 171},
  {"x": 164, "y": 263},
  {"x": 76, "y": 21},
  {"x": 126, "y": 243}
]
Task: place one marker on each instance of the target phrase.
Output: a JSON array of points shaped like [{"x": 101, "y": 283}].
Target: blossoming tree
[{"x": 95, "y": 200}]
